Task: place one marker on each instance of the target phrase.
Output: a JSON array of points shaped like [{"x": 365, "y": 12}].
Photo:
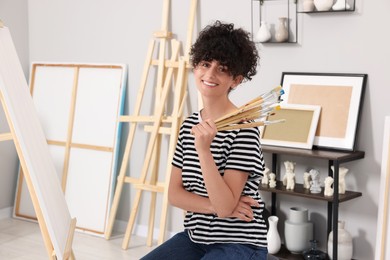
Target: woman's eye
[{"x": 223, "y": 69}]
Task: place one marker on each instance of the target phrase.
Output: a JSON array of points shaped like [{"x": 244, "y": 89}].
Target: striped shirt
[{"x": 234, "y": 149}]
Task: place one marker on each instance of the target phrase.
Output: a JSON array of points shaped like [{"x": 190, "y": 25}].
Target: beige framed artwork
[
  {"x": 382, "y": 250},
  {"x": 298, "y": 129},
  {"x": 340, "y": 97}
]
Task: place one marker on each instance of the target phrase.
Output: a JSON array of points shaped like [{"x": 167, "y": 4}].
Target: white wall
[{"x": 119, "y": 31}]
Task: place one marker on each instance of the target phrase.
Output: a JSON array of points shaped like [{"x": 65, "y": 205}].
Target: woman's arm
[
  {"x": 188, "y": 201},
  {"x": 224, "y": 191}
]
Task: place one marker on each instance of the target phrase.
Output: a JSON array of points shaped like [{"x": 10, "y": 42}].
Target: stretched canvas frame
[
  {"x": 340, "y": 97},
  {"x": 297, "y": 131},
  {"x": 78, "y": 105},
  {"x": 382, "y": 238}
]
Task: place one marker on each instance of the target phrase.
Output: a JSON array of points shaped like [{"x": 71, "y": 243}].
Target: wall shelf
[
  {"x": 270, "y": 11},
  {"x": 350, "y": 3},
  {"x": 334, "y": 158}
]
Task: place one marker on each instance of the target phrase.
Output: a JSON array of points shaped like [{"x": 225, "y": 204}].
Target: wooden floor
[{"x": 22, "y": 240}]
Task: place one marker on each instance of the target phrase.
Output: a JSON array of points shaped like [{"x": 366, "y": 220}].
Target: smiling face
[{"x": 214, "y": 79}]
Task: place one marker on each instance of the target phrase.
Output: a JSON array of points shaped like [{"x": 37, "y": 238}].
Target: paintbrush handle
[{"x": 252, "y": 124}]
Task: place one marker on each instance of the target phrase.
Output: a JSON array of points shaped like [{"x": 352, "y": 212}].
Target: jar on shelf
[
  {"x": 341, "y": 5},
  {"x": 263, "y": 34},
  {"x": 298, "y": 230},
  {"x": 314, "y": 253},
  {"x": 308, "y": 5},
  {"x": 323, "y": 5},
  {"x": 281, "y": 34},
  {"x": 344, "y": 243}
]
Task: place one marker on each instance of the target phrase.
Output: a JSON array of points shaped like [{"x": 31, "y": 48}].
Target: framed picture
[
  {"x": 382, "y": 233},
  {"x": 340, "y": 97},
  {"x": 297, "y": 131}
]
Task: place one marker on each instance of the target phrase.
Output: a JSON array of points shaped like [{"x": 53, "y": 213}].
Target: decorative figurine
[
  {"x": 342, "y": 172},
  {"x": 272, "y": 180},
  {"x": 306, "y": 180},
  {"x": 265, "y": 178},
  {"x": 315, "y": 186},
  {"x": 289, "y": 177},
  {"x": 290, "y": 181},
  {"x": 290, "y": 167},
  {"x": 328, "y": 190}
]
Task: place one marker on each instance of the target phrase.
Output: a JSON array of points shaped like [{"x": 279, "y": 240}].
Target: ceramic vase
[
  {"x": 341, "y": 5},
  {"x": 281, "y": 34},
  {"x": 298, "y": 230},
  {"x": 273, "y": 238},
  {"x": 323, "y": 5},
  {"x": 308, "y": 5},
  {"x": 264, "y": 34},
  {"x": 344, "y": 243}
]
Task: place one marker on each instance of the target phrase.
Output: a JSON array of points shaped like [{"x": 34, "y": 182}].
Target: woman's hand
[
  {"x": 244, "y": 210},
  {"x": 204, "y": 133}
]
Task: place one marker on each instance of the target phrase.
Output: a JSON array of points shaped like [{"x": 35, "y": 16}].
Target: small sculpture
[
  {"x": 342, "y": 172},
  {"x": 290, "y": 181},
  {"x": 265, "y": 178},
  {"x": 315, "y": 181},
  {"x": 290, "y": 167},
  {"x": 306, "y": 180},
  {"x": 328, "y": 190},
  {"x": 272, "y": 180}
]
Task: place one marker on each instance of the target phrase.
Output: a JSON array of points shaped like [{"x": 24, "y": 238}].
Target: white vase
[
  {"x": 341, "y": 5},
  {"x": 298, "y": 230},
  {"x": 273, "y": 238},
  {"x": 308, "y": 5},
  {"x": 281, "y": 34},
  {"x": 263, "y": 34},
  {"x": 323, "y": 5},
  {"x": 344, "y": 243}
]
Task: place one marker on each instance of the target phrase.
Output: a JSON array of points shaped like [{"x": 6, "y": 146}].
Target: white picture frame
[
  {"x": 297, "y": 131},
  {"x": 340, "y": 97}
]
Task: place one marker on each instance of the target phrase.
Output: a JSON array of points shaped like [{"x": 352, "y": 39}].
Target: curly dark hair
[{"x": 231, "y": 47}]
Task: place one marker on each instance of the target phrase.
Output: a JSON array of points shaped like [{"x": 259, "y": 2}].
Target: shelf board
[
  {"x": 299, "y": 191},
  {"x": 333, "y": 155},
  {"x": 284, "y": 254}
]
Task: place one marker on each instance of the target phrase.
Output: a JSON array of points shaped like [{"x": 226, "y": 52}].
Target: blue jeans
[{"x": 181, "y": 247}]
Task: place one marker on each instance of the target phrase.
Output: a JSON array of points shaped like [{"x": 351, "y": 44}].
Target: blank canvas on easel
[
  {"x": 54, "y": 218},
  {"x": 78, "y": 106}
]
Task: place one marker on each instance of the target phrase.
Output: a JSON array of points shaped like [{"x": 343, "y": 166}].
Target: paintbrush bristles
[
  {"x": 271, "y": 95},
  {"x": 259, "y": 107}
]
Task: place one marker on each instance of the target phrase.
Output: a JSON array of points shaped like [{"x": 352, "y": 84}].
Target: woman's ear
[{"x": 237, "y": 81}]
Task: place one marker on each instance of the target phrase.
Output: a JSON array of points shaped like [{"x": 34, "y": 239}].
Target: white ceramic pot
[
  {"x": 264, "y": 34},
  {"x": 341, "y": 5},
  {"x": 273, "y": 238},
  {"x": 298, "y": 230},
  {"x": 323, "y": 5},
  {"x": 344, "y": 243},
  {"x": 308, "y": 5},
  {"x": 281, "y": 34}
]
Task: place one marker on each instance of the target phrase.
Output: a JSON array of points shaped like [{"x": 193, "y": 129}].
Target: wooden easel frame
[
  {"x": 166, "y": 68},
  {"x": 42, "y": 225},
  {"x": 15, "y": 78}
]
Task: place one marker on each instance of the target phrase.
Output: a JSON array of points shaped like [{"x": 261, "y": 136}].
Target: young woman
[{"x": 216, "y": 174}]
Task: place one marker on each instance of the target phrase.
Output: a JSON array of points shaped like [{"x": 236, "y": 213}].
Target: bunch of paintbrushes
[{"x": 257, "y": 109}]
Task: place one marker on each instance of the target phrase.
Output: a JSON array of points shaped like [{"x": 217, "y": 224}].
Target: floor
[{"x": 22, "y": 240}]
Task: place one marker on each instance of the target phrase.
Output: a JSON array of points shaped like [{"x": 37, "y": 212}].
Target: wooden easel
[
  {"x": 166, "y": 70},
  {"x": 13, "y": 88},
  {"x": 42, "y": 225}
]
